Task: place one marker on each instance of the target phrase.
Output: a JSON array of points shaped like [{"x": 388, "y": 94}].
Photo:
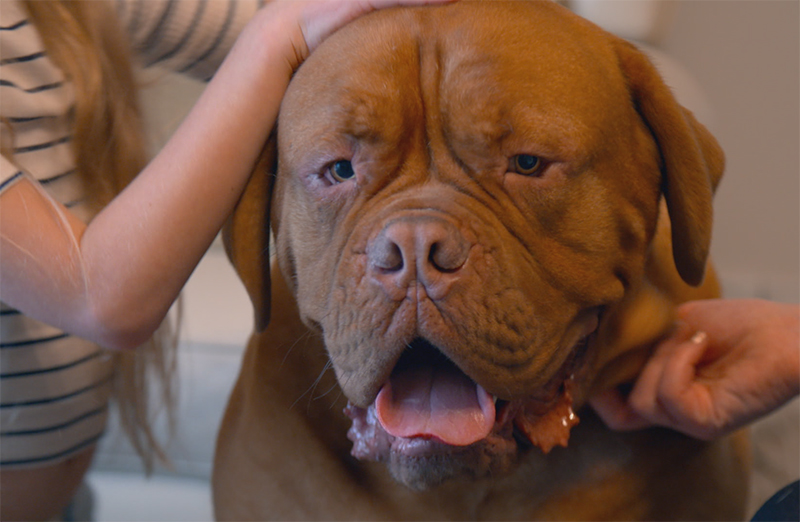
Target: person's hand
[
  {"x": 727, "y": 363},
  {"x": 329, "y": 15},
  {"x": 309, "y": 22}
]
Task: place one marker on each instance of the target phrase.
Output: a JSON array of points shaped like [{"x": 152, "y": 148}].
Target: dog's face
[{"x": 462, "y": 194}]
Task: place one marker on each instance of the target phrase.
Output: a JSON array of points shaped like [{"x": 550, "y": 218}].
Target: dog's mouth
[{"x": 430, "y": 407}]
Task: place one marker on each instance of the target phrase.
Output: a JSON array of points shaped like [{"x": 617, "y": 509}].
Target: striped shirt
[{"x": 54, "y": 387}]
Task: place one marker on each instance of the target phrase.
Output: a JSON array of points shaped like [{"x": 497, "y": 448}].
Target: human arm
[
  {"x": 727, "y": 363},
  {"x": 114, "y": 280}
]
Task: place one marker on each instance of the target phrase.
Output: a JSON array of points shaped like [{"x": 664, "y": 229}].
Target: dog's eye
[
  {"x": 526, "y": 164},
  {"x": 342, "y": 170}
]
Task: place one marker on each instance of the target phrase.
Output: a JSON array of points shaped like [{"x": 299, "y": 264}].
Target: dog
[{"x": 483, "y": 214}]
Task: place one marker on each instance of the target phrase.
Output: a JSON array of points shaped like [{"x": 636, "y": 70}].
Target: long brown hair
[{"x": 85, "y": 40}]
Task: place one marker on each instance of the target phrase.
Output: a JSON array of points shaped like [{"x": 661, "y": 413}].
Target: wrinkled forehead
[
  {"x": 354, "y": 73},
  {"x": 481, "y": 58}
]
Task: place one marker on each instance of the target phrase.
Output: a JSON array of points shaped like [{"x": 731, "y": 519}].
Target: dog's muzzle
[{"x": 429, "y": 406}]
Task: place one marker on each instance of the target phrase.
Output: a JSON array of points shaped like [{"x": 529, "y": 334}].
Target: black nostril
[
  {"x": 448, "y": 256},
  {"x": 393, "y": 262},
  {"x": 438, "y": 264},
  {"x": 432, "y": 255},
  {"x": 385, "y": 255}
]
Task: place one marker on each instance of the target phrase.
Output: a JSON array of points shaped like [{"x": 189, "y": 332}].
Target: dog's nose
[{"x": 423, "y": 248}]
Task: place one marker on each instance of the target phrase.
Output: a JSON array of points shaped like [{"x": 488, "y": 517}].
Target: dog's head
[{"x": 462, "y": 194}]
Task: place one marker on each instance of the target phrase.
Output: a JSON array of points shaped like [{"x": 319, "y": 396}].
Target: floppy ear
[
  {"x": 691, "y": 161},
  {"x": 246, "y": 235}
]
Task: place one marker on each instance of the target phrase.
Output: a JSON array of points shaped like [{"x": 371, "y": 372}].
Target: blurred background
[{"x": 735, "y": 63}]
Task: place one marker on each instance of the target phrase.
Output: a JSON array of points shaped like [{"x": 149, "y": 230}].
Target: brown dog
[{"x": 470, "y": 233}]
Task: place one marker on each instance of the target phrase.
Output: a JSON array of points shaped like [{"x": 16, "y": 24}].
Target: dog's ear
[
  {"x": 691, "y": 161},
  {"x": 246, "y": 235}
]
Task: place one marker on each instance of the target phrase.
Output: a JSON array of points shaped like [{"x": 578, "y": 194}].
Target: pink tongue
[{"x": 432, "y": 402}]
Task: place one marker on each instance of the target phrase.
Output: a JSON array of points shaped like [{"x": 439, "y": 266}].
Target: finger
[
  {"x": 680, "y": 369},
  {"x": 380, "y": 4},
  {"x": 614, "y": 411},
  {"x": 644, "y": 398},
  {"x": 335, "y": 14},
  {"x": 685, "y": 401}
]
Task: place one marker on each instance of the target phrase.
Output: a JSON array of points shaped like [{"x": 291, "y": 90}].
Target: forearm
[
  {"x": 159, "y": 227},
  {"x": 114, "y": 281}
]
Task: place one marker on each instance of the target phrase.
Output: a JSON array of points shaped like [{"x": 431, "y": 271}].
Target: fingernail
[{"x": 699, "y": 338}]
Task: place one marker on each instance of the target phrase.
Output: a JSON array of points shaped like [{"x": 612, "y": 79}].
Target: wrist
[{"x": 277, "y": 34}]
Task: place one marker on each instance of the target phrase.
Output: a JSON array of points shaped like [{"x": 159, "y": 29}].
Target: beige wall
[{"x": 746, "y": 56}]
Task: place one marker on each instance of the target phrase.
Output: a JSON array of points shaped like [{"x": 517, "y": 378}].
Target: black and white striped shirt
[{"x": 54, "y": 387}]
